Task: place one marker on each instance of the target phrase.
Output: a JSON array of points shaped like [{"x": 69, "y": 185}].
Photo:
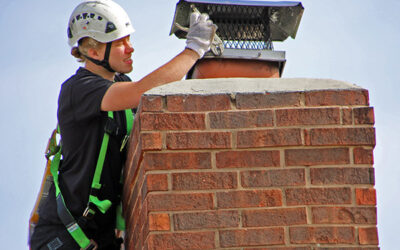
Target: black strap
[{"x": 104, "y": 63}]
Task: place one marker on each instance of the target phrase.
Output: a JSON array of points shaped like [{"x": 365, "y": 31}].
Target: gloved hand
[{"x": 201, "y": 33}]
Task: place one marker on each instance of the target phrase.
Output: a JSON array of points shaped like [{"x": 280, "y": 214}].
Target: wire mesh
[{"x": 241, "y": 27}]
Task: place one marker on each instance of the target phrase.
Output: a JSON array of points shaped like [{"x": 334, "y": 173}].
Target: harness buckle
[
  {"x": 111, "y": 127},
  {"x": 88, "y": 213},
  {"x": 124, "y": 141}
]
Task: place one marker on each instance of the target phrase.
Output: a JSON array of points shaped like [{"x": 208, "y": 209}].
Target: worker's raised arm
[{"x": 124, "y": 95}]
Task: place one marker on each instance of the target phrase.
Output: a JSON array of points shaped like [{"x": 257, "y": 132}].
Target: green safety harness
[{"x": 102, "y": 205}]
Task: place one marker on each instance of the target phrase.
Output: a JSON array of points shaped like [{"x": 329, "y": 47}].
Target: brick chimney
[
  {"x": 237, "y": 158},
  {"x": 252, "y": 163}
]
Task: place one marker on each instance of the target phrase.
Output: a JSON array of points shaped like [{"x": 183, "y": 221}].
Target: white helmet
[{"x": 103, "y": 20}]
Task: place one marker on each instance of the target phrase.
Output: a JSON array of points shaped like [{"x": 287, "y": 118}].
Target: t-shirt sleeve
[
  {"x": 87, "y": 97},
  {"x": 122, "y": 78}
]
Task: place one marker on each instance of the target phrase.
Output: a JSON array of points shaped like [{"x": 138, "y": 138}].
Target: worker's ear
[{"x": 94, "y": 53}]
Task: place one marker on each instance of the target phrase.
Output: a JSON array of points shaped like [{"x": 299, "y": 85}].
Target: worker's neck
[{"x": 99, "y": 70}]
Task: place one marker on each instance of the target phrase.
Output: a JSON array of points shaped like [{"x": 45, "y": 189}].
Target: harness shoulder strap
[
  {"x": 129, "y": 120},
  {"x": 120, "y": 221},
  {"x": 104, "y": 205}
]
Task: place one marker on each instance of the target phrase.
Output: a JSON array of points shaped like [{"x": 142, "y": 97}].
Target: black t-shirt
[{"x": 82, "y": 124}]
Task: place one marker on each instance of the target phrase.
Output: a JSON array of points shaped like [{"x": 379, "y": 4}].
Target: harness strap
[
  {"x": 129, "y": 120},
  {"x": 120, "y": 221},
  {"x": 104, "y": 205},
  {"x": 65, "y": 216},
  {"x": 105, "y": 62}
]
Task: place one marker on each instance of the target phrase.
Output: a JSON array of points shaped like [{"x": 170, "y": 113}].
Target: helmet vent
[
  {"x": 110, "y": 27},
  {"x": 69, "y": 33}
]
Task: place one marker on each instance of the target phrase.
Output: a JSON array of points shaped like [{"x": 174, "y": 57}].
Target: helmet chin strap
[{"x": 104, "y": 63}]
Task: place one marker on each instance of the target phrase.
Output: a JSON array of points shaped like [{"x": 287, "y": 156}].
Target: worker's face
[{"x": 120, "y": 55}]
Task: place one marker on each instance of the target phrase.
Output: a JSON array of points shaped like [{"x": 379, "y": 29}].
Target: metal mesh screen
[{"x": 240, "y": 27}]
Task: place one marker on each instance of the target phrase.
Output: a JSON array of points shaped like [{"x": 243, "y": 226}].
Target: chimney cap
[
  {"x": 246, "y": 2},
  {"x": 283, "y": 18}
]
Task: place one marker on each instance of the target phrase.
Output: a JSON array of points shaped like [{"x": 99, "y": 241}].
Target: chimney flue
[{"x": 247, "y": 30}]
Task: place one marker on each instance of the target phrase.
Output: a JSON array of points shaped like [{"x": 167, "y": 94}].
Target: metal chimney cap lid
[
  {"x": 247, "y": 3},
  {"x": 284, "y": 19}
]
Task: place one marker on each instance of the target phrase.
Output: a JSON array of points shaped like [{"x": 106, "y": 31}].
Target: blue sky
[{"x": 354, "y": 41}]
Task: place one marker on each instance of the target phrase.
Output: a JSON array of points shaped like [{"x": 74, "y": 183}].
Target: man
[{"x": 99, "y": 32}]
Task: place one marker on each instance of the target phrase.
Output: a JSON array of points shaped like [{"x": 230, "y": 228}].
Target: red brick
[
  {"x": 145, "y": 233},
  {"x": 246, "y": 159},
  {"x": 199, "y": 140},
  {"x": 203, "y": 220},
  {"x": 337, "y": 97},
  {"x": 347, "y": 248},
  {"x": 344, "y": 215},
  {"x": 324, "y": 176},
  {"x": 131, "y": 192},
  {"x": 268, "y": 138},
  {"x": 285, "y": 248},
  {"x": 363, "y": 156},
  {"x": 157, "y": 182},
  {"x": 159, "y": 222},
  {"x": 273, "y": 178},
  {"x": 172, "y": 121},
  {"x": 314, "y": 116},
  {"x": 179, "y": 202},
  {"x": 241, "y": 119},
  {"x": 311, "y": 157},
  {"x": 133, "y": 143},
  {"x": 168, "y": 161},
  {"x": 347, "y": 116},
  {"x": 253, "y": 198},
  {"x": 364, "y": 115},
  {"x": 368, "y": 236},
  {"x": 268, "y": 100},
  {"x": 151, "y": 141},
  {"x": 137, "y": 241},
  {"x": 199, "y": 181},
  {"x": 340, "y": 136},
  {"x": 133, "y": 153},
  {"x": 322, "y": 235},
  {"x": 365, "y": 196},
  {"x": 182, "y": 241},
  {"x": 317, "y": 196},
  {"x": 151, "y": 103},
  {"x": 274, "y": 217},
  {"x": 131, "y": 211},
  {"x": 140, "y": 221},
  {"x": 251, "y": 237},
  {"x": 188, "y": 103}
]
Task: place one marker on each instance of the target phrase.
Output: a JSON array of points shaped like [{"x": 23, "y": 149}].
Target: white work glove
[{"x": 201, "y": 33}]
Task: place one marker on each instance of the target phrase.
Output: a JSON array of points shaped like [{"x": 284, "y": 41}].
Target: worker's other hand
[{"x": 201, "y": 33}]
